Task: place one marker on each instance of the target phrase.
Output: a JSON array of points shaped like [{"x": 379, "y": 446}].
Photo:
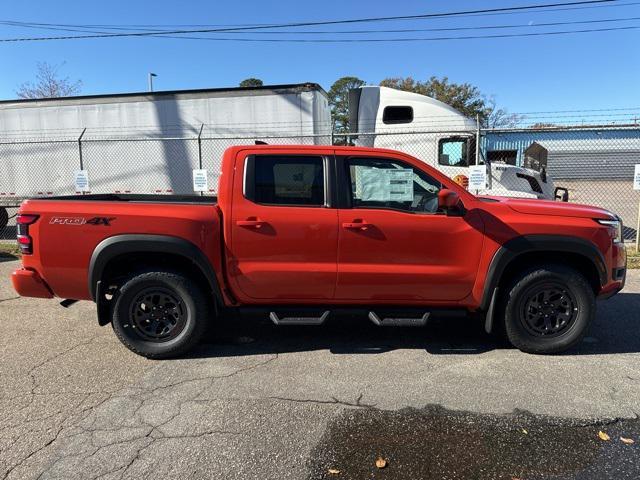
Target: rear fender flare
[{"x": 112, "y": 247}]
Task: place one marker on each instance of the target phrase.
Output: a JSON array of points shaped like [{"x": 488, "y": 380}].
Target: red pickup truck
[{"x": 300, "y": 233}]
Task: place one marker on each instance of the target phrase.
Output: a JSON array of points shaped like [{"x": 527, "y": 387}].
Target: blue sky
[{"x": 590, "y": 70}]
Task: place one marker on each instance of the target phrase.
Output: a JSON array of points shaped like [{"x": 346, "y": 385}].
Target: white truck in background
[{"x": 442, "y": 137}]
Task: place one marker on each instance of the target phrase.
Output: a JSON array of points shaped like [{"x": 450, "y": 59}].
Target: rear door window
[{"x": 285, "y": 180}]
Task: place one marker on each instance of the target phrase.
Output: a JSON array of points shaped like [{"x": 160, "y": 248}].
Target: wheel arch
[
  {"x": 115, "y": 255},
  {"x": 526, "y": 251}
]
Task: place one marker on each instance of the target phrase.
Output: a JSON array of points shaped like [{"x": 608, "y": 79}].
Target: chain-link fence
[{"x": 594, "y": 164}]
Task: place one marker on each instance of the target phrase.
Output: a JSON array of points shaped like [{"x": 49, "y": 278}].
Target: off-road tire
[
  {"x": 525, "y": 314},
  {"x": 191, "y": 302}
]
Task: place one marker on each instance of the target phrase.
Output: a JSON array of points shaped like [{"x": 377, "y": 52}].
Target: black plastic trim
[
  {"x": 113, "y": 247},
  {"x": 342, "y": 182},
  {"x": 135, "y": 198},
  {"x": 538, "y": 243}
]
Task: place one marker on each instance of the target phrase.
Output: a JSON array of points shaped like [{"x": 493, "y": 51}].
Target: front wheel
[
  {"x": 548, "y": 309},
  {"x": 160, "y": 314}
]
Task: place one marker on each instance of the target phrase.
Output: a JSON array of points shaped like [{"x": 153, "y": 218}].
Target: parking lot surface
[{"x": 257, "y": 401}]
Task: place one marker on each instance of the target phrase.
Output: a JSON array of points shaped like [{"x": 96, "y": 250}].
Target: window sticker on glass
[{"x": 384, "y": 185}]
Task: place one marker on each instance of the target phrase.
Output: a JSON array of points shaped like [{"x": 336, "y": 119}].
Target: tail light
[{"x": 25, "y": 242}]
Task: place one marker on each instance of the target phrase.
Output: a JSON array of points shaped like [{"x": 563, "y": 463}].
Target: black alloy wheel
[
  {"x": 157, "y": 314},
  {"x": 548, "y": 310}
]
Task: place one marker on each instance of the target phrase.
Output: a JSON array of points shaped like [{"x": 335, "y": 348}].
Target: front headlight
[{"x": 615, "y": 225}]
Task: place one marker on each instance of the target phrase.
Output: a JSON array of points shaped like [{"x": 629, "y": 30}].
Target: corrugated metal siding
[
  {"x": 576, "y": 154},
  {"x": 592, "y": 165}
]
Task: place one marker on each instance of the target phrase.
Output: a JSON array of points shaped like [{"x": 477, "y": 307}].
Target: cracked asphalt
[{"x": 257, "y": 401}]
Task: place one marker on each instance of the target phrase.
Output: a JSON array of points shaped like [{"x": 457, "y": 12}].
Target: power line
[
  {"x": 408, "y": 30},
  {"x": 237, "y": 26},
  {"x": 306, "y": 24},
  {"x": 367, "y": 40}
]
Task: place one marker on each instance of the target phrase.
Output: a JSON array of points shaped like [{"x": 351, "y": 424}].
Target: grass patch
[
  {"x": 633, "y": 257},
  {"x": 9, "y": 250}
]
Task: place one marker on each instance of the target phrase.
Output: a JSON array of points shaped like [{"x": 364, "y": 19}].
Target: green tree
[
  {"x": 251, "y": 82},
  {"x": 464, "y": 97},
  {"x": 339, "y": 102}
]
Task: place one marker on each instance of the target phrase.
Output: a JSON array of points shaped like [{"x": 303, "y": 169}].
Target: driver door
[{"x": 394, "y": 245}]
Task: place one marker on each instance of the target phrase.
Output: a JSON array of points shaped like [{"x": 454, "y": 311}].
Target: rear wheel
[
  {"x": 548, "y": 309},
  {"x": 160, "y": 314}
]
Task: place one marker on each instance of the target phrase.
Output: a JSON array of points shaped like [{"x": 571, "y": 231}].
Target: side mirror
[{"x": 448, "y": 199}]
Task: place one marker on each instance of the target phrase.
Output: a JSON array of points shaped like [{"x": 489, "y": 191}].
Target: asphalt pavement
[{"x": 259, "y": 401}]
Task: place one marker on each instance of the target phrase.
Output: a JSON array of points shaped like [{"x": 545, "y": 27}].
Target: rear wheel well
[
  {"x": 119, "y": 269},
  {"x": 528, "y": 260}
]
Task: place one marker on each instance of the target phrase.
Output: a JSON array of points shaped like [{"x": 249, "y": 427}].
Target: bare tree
[
  {"x": 48, "y": 84},
  {"x": 497, "y": 117}
]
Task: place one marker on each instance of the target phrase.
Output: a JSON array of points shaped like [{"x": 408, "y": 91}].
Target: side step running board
[
  {"x": 298, "y": 320},
  {"x": 399, "y": 321}
]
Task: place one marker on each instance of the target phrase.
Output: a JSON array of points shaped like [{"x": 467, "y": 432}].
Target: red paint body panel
[
  {"x": 291, "y": 257},
  {"x": 62, "y": 252},
  {"x": 265, "y": 254},
  {"x": 29, "y": 284},
  {"x": 406, "y": 257}
]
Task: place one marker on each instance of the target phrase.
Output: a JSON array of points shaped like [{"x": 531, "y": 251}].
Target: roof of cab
[{"x": 311, "y": 148}]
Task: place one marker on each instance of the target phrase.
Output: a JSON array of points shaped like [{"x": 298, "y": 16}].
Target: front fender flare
[{"x": 518, "y": 246}]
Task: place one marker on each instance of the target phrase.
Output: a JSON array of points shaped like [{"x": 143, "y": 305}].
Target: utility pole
[{"x": 151, "y": 75}]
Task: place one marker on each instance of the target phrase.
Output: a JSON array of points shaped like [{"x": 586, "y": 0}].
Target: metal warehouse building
[{"x": 584, "y": 153}]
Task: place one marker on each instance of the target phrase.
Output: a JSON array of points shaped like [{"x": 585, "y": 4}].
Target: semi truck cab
[{"x": 440, "y": 136}]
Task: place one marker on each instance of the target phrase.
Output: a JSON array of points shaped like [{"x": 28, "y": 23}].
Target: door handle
[
  {"x": 357, "y": 225},
  {"x": 250, "y": 223}
]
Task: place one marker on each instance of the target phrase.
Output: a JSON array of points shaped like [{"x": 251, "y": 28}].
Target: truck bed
[
  {"x": 70, "y": 228},
  {"x": 137, "y": 198}
]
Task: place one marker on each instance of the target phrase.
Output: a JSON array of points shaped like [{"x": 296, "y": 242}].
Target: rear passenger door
[{"x": 284, "y": 229}]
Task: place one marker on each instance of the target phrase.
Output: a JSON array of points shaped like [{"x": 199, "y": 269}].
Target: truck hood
[{"x": 550, "y": 207}]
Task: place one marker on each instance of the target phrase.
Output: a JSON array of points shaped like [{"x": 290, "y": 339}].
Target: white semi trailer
[
  {"x": 44, "y": 142},
  {"x": 439, "y": 135},
  {"x": 163, "y": 136}
]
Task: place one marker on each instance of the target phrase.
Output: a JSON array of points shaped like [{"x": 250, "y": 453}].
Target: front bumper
[
  {"x": 617, "y": 272},
  {"x": 29, "y": 284}
]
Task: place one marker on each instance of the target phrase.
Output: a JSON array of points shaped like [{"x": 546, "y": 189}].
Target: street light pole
[{"x": 151, "y": 75}]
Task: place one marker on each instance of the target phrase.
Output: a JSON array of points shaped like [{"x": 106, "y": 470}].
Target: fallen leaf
[
  {"x": 334, "y": 471},
  {"x": 604, "y": 436},
  {"x": 627, "y": 441},
  {"x": 381, "y": 462},
  {"x": 524, "y": 431}
]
